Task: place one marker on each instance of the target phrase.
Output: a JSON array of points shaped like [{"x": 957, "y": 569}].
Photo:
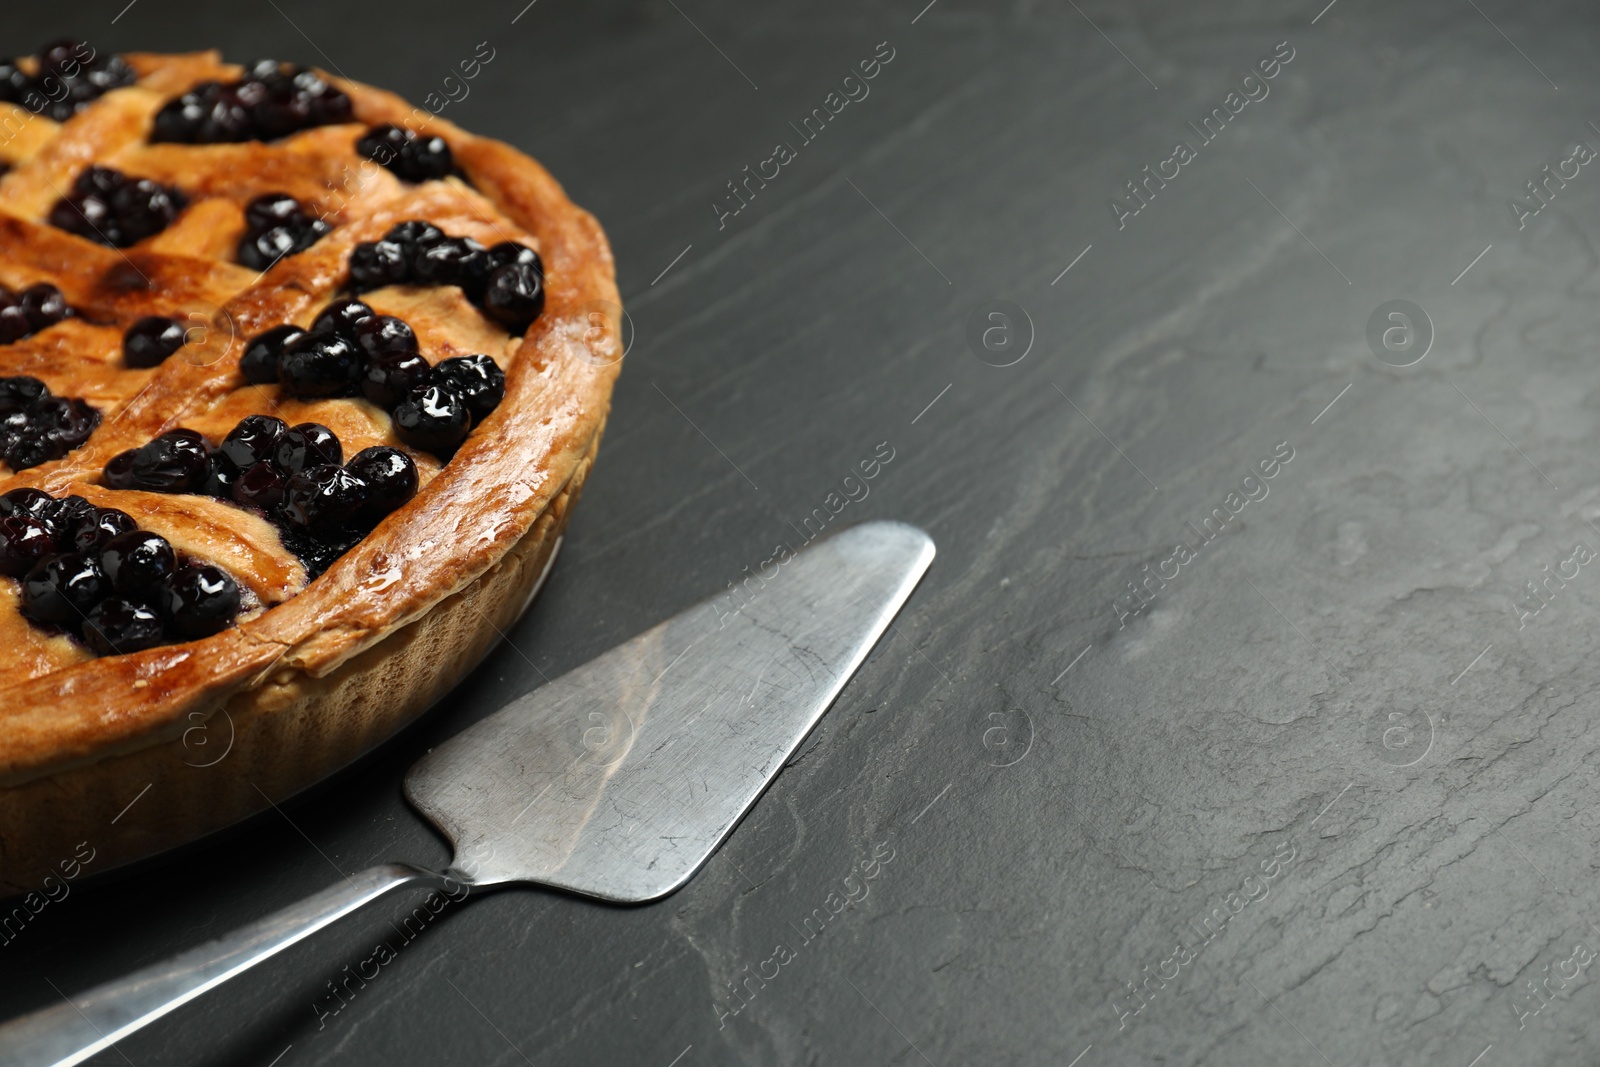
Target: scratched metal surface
[{"x": 1327, "y": 795}]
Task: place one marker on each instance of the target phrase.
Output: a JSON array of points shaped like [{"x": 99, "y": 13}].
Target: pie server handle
[{"x": 74, "y": 1030}]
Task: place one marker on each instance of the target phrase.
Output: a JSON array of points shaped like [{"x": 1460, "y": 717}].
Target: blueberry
[
  {"x": 13, "y": 323},
  {"x": 259, "y": 251},
  {"x": 143, "y": 208},
  {"x": 200, "y": 599},
  {"x": 317, "y": 554},
  {"x": 433, "y": 418},
  {"x": 318, "y": 365},
  {"x": 21, "y": 392},
  {"x": 271, "y": 209},
  {"x": 260, "y": 486},
  {"x": 254, "y": 439},
  {"x": 63, "y": 588},
  {"x": 424, "y": 158},
  {"x": 87, "y": 216},
  {"x": 341, "y": 317},
  {"x": 325, "y": 500},
  {"x": 138, "y": 563},
  {"x": 307, "y": 445},
  {"x": 117, "y": 626},
  {"x": 66, "y": 515},
  {"x": 148, "y": 342},
  {"x": 413, "y": 233},
  {"x": 105, "y": 524},
  {"x": 24, "y": 452},
  {"x": 44, "y": 305},
  {"x": 26, "y": 500},
  {"x": 390, "y": 476},
  {"x": 179, "y": 119},
  {"x": 110, "y": 208},
  {"x": 384, "y": 144},
  {"x": 24, "y": 541},
  {"x": 478, "y": 380},
  {"x": 219, "y": 478},
  {"x": 259, "y": 364},
  {"x": 388, "y": 379},
  {"x": 99, "y": 181},
  {"x": 175, "y": 462},
  {"x": 514, "y": 296},
  {"x": 383, "y": 335},
  {"x": 448, "y": 261},
  {"x": 66, "y": 422},
  {"x": 507, "y": 252},
  {"x": 375, "y": 264}
]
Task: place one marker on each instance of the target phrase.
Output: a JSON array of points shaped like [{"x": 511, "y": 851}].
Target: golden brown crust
[
  {"x": 268, "y": 741},
  {"x": 463, "y": 521}
]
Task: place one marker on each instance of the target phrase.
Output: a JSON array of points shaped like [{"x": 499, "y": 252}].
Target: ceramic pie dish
[{"x": 298, "y": 387}]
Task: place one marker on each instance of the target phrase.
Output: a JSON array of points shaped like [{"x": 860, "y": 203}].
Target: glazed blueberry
[
  {"x": 260, "y": 486},
  {"x": 107, "y": 523},
  {"x": 26, "y": 500},
  {"x": 254, "y": 439},
  {"x": 117, "y": 626},
  {"x": 137, "y": 564},
  {"x": 277, "y": 226},
  {"x": 478, "y": 380},
  {"x": 44, "y": 305},
  {"x": 259, "y": 251},
  {"x": 24, "y": 541},
  {"x": 384, "y": 335},
  {"x": 508, "y": 252},
  {"x": 271, "y": 209},
  {"x": 19, "y": 393},
  {"x": 66, "y": 515},
  {"x": 425, "y": 158},
  {"x": 70, "y": 75},
  {"x": 14, "y": 324},
  {"x": 325, "y": 500},
  {"x": 411, "y": 157},
  {"x": 390, "y": 476},
  {"x": 383, "y": 144},
  {"x": 63, "y": 588},
  {"x": 144, "y": 208},
  {"x": 24, "y": 452},
  {"x": 318, "y": 365},
  {"x": 200, "y": 599},
  {"x": 449, "y": 261},
  {"x": 388, "y": 379},
  {"x": 259, "y": 364},
  {"x": 219, "y": 479},
  {"x": 175, "y": 462},
  {"x": 433, "y": 418},
  {"x": 307, "y": 445},
  {"x": 375, "y": 264},
  {"x": 341, "y": 317},
  {"x": 151, "y": 340},
  {"x": 109, "y": 207},
  {"x": 271, "y": 101},
  {"x": 514, "y": 296},
  {"x": 413, "y": 233},
  {"x": 66, "y": 422},
  {"x": 317, "y": 554}
]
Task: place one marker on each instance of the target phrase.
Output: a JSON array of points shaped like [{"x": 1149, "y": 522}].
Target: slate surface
[{"x": 1340, "y": 733}]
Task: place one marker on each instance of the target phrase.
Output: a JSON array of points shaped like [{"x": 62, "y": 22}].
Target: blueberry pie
[{"x": 297, "y": 391}]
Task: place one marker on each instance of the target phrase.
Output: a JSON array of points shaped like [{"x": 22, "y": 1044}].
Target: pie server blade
[{"x": 616, "y": 780}]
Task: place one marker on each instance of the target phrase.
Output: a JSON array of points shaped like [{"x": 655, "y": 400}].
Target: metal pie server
[{"x": 617, "y": 780}]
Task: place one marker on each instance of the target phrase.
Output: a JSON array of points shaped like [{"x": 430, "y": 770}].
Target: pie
[{"x": 298, "y": 386}]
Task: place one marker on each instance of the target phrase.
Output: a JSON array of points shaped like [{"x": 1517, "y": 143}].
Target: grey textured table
[{"x": 1323, "y": 791}]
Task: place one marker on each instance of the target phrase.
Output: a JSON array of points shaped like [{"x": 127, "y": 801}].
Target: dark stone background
[{"x": 1242, "y": 716}]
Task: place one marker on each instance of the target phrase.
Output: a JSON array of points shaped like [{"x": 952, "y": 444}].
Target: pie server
[{"x": 616, "y": 781}]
